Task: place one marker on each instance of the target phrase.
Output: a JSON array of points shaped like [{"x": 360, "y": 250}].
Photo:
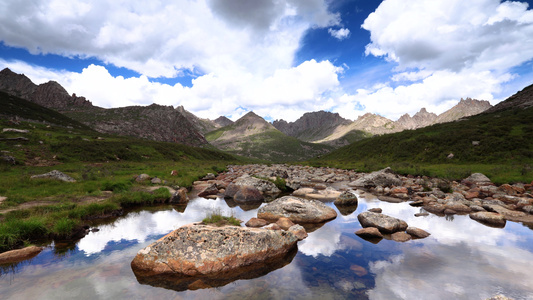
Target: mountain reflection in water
[{"x": 462, "y": 259}]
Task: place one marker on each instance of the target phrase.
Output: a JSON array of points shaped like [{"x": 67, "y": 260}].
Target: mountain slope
[
  {"x": 252, "y": 136},
  {"x": 497, "y": 137},
  {"x": 154, "y": 122},
  {"x": 464, "y": 108}
]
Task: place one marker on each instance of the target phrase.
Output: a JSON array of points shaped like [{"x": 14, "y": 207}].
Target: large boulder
[
  {"x": 196, "y": 250},
  {"x": 383, "y": 178},
  {"x": 478, "y": 179},
  {"x": 56, "y": 175},
  {"x": 247, "y": 194},
  {"x": 298, "y": 210},
  {"x": 19, "y": 255},
  {"x": 384, "y": 223},
  {"x": 210, "y": 190},
  {"x": 264, "y": 186}
]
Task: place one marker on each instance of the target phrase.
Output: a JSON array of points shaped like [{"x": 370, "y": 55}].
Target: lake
[{"x": 462, "y": 259}]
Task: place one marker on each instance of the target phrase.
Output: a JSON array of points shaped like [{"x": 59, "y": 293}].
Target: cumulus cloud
[
  {"x": 161, "y": 38},
  {"x": 442, "y": 51},
  {"x": 339, "y": 34}
]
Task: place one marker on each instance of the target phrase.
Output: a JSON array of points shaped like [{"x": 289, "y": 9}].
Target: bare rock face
[
  {"x": 297, "y": 210},
  {"x": 384, "y": 223},
  {"x": 222, "y": 121},
  {"x": 55, "y": 174},
  {"x": 312, "y": 126},
  {"x": 464, "y": 108},
  {"x": 422, "y": 118},
  {"x": 383, "y": 178},
  {"x": 201, "y": 252}
]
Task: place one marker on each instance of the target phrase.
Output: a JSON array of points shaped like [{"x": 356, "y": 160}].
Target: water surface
[{"x": 462, "y": 259}]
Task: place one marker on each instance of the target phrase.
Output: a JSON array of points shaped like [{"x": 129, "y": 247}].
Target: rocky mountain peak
[
  {"x": 312, "y": 126},
  {"x": 222, "y": 121},
  {"x": 465, "y": 108},
  {"x": 50, "y": 94}
]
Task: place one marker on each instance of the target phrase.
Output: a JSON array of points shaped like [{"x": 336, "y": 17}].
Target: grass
[{"x": 217, "y": 219}]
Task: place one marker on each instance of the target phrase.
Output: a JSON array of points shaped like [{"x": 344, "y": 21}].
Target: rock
[
  {"x": 489, "y": 218},
  {"x": 247, "y": 194},
  {"x": 55, "y": 174},
  {"x": 457, "y": 207},
  {"x": 358, "y": 270},
  {"x": 417, "y": 232},
  {"x": 8, "y": 159},
  {"x": 156, "y": 180},
  {"x": 209, "y": 190},
  {"x": 194, "y": 250},
  {"x": 19, "y": 255},
  {"x": 384, "y": 223},
  {"x": 376, "y": 210},
  {"x": 424, "y": 214},
  {"x": 369, "y": 232},
  {"x": 173, "y": 173},
  {"x": 142, "y": 177},
  {"x": 298, "y": 231},
  {"x": 209, "y": 176},
  {"x": 255, "y": 222},
  {"x": 264, "y": 186},
  {"x": 384, "y": 178},
  {"x": 200, "y": 256},
  {"x": 303, "y": 192},
  {"x": 180, "y": 196},
  {"x": 284, "y": 223},
  {"x": 297, "y": 210},
  {"x": 450, "y": 156},
  {"x": 417, "y": 203},
  {"x": 15, "y": 130},
  {"x": 400, "y": 237},
  {"x": 272, "y": 226},
  {"x": 346, "y": 198},
  {"x": 478, "y": 179},
  {"x": 435, "y": 208}
]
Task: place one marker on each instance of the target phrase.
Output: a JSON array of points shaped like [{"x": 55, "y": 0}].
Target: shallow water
[{"x": 462, "y": 259}]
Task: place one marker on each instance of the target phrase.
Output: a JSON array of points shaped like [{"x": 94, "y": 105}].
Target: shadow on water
[{"x": 181, "y": 283}]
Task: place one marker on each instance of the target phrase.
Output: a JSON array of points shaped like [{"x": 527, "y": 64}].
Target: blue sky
[{"x": 279, "y": 58}]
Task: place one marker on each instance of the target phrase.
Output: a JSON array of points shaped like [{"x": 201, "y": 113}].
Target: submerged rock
[
  {"x": 384, "y": 223},
  {"x": 298, "y": 210},
  {"x": 201, "y": 250},
  {"x": 369, "y": 232},
  {"x": 19, "y": 255},
  {"x": 55, "y": 174}
]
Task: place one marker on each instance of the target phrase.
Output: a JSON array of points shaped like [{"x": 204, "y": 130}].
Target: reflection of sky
[
  {"x": 140, "y": 226},
  {"x": 462, "y": 259}
]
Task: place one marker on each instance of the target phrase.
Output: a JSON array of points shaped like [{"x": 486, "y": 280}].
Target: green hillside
[
  {"x": 497, "y": 139},
  {"x": 13, "y": 106}
]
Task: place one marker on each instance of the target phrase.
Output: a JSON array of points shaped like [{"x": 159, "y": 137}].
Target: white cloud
[
  {"x": 443, "y": 51},
  {"x": 340, "y": 34},
  {"x": 160, "y": 38}
]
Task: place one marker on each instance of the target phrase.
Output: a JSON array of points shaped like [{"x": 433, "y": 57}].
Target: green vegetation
[
  {"x": 217, "y": 219},
  {"x": 274, "y": 146},
  {"x": 504, "y": 152}
]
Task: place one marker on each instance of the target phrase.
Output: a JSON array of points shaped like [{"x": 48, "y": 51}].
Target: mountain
[
  {"x": 202, "y": 125},
  {"x": 155, "y": 122},
  {"x": 464, "y": 108},
  {"x": 422, "y": 118},
  {"x": 498, "y": 137},
  {"x": 252, "y": 136},
  {"x": 312, "y": 126},
  {"x": 18, "y": 109},
  {"x": 522, "y": 99},
  {"x": 50, "y": 94},
  {"x": 222, "y": 121}
]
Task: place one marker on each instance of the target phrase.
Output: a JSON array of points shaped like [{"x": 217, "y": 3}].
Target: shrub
[{"x": 217, "y": 219}]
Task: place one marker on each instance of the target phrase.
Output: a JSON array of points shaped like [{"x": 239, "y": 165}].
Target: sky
[{"x": 278, "y": 58}]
